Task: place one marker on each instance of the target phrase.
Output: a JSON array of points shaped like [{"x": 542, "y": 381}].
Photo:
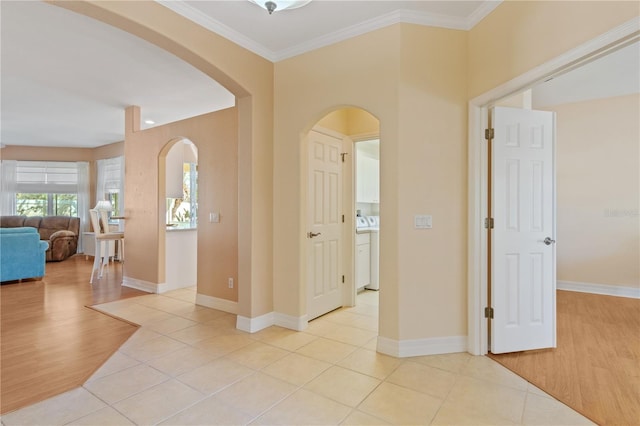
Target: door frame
[
  {"x": 352, "y": 295},
  {"x": 477, "y": 255}
]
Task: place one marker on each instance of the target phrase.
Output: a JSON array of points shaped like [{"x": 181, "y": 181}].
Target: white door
[
  {"x": 324, "y": 225},
  {"x": 523, "y": 256}
]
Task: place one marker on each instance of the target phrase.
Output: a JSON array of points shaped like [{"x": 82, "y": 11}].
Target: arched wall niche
[{"x": 178, "y": 241}]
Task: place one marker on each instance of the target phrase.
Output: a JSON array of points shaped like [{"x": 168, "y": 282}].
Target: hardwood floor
[
  {"x": 596, "y": 367},
  {"x": 52, "y": 342}
]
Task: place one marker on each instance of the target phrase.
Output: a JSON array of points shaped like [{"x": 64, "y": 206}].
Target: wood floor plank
[
  {"x": 596, "y": 367},
  {"x": 51, "y": 341}
]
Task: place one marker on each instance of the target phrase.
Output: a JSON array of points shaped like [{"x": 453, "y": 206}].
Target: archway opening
[
  {"x": 342, "y": 265},
  {"x": 180, "y": 198}
]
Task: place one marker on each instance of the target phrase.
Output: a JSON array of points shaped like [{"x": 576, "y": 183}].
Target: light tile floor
[{"x": 189, "y": 365}]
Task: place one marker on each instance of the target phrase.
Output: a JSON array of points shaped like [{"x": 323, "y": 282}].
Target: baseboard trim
[
  {"x": 604, "y": 289},
  {"x": 217, "y": 303},
  {"x": 252, "y": 325},
  {"x": 142, "y": 285},
  {"x": 290, "y": 322},
  {"x": 420, "y": 347},
  {"x": 165, "y": 287}
]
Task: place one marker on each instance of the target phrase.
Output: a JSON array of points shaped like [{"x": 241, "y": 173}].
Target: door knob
[
  {"x": 548, "y": 241},
  {"x": 312, "y": 234}
]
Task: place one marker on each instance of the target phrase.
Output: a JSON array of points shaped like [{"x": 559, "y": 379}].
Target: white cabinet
[
  {"x": 181, "y": 258},
  {"x": 363, "y": 260},
  {"x": 367, "y": 179}
]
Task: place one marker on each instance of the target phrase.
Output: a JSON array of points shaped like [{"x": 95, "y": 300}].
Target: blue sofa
[{"x": 22, "y": 254}]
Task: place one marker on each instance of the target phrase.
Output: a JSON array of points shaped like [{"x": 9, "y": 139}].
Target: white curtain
[
  {"x": 83, "y": 200},
  {"x": 8, "y": 174},
  {"x": 121, "y": 222},
  {"x": 110, "y": 180}
]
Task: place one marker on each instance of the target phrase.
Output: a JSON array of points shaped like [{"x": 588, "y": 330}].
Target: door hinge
[
  {"x": 343, "y": 279},
  {"x": 488, "y": 223},
  {"x": 488, "y": 134},
  {"x": 488, "y": 312},
  {"x": 342, "y": 218},
  {"x": 342, "y": 154}
]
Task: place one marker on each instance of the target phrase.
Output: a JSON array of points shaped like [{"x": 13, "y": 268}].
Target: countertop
[{"x": 181, "y": 227}]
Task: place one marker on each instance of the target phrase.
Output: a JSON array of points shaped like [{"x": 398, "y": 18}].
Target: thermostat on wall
[{"x": 423, "y": 221}]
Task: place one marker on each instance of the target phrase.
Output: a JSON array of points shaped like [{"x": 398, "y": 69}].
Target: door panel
[
  {"x": 523, "y": 267},
  {"x": 324, "y": 225}
]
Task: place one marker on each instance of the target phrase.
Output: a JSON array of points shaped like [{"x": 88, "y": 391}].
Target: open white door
[
  {"x": 523, "y": 255},
  {"x": 324, "y": 225}
]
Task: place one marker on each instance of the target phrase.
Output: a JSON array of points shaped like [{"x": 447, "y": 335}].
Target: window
[
  {"x": 28, "y": 204},
  {"x": 110, "y": 184},
  {"x": 46, "y": 188},
  {"x": 185, "y": 210}
]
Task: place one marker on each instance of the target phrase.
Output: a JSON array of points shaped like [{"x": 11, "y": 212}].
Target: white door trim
[{"x": 477, "y": 166}]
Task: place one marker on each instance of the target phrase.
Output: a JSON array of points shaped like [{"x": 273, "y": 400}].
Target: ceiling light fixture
[
  {"x": 272, "y": 5},
  {"x": 149, "y": 122}
]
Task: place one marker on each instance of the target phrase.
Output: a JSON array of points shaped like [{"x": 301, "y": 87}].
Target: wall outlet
[{"x": 230, "y": 282}]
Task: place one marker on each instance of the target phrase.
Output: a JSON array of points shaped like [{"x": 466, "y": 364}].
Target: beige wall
[
  {"x": 520, "y": 35},
  {"x": 307, "y": 87},
  {"x": 108, "y": 151},
  {"x": 351, "y": 122},
  {"x": 216, "y": 137},
  {"x": 39, "y": 153},
  {"x": 432, "y": 177},
  {"x": 598, "y": 182},
  {"x": 338, "y": 121},
  {"x": 360, "y": 122},
  {"x": 420, "y": 271}
]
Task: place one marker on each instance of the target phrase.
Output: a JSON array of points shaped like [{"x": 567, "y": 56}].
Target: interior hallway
[{"x": 189, "y": 365}]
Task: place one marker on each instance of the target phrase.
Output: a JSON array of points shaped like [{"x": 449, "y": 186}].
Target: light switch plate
[
  {"x": 423, "y": 221},
  {"x": 214, "y": 217}
]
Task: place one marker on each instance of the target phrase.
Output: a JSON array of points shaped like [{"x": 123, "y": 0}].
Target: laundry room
[{"x": 367, "y": 161}]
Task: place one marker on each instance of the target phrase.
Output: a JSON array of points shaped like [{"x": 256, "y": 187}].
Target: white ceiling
[
  {"x": 616, "y": 74},
  {"x": 67, "y": 78}
]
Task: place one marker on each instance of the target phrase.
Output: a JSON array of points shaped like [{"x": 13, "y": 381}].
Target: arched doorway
[
  {"x": 226, "y": 63},
  {"x": 342, "y": 264}
]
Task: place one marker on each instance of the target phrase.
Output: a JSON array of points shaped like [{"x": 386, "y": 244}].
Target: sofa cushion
[
  {"x": 12, "y": 221},
  {"x": 32, "y": 221},
  {"x": 51, "y": 224}
]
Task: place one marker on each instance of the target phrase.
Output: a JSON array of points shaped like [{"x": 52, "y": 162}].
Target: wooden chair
[{"x": 99, "y": 221}]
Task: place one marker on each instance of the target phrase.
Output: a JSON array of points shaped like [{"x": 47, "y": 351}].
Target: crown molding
[
  {"x": 480, "y": 13},
  {"x": 206, "y": 21},
  {"x": 395, "y": 17}
]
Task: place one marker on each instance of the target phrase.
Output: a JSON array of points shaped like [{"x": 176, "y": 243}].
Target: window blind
[
  {"x": 109, "y": 175},
  {"x": 47, "y": 177}
]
